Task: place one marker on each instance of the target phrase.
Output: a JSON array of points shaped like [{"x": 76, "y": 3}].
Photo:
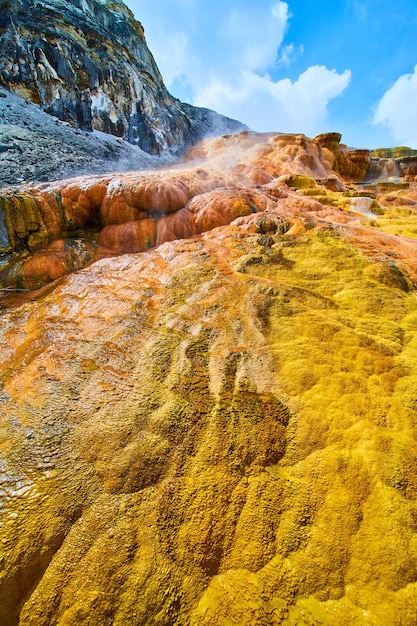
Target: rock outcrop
[
  {"x": 368, "y": 165},
  {"x": 351, "y": 164},
  {"x": 35, "y": 146},
  {"x": 398, "y": 152},
  {"x": 87, "y": 62}
]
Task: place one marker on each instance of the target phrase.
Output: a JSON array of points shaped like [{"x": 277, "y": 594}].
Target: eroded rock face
[
  {"x": 87, "y": 63},
  {"x": 220, "y": 429},
  {"x": 408, "y": 167},
  {"x": 352, "y": 165},
  {"x": 359, "y": 165}
]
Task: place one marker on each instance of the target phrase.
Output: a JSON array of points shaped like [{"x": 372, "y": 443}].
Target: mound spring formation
[
  {"x": 208, "y": 379},
  {"x": 214, "y": 422}
]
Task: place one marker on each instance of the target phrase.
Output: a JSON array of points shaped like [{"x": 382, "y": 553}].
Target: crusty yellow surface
[{"x": 221, "y": 431}]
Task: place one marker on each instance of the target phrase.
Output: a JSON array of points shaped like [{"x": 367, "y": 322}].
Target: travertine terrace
[{"x": 208, "y": 392}]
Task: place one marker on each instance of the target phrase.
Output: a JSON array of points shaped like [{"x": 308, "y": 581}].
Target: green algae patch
[
  {"x": 394, "y": 153},
  {"x": 299, "y": 181},
  {"x": 395, "y": 224},
  {"x": 312, "y": 191},
  {"x": 326, "y": 197},
  {"x": 397, "y": 220},
  {"x": 23, "y": 221}
]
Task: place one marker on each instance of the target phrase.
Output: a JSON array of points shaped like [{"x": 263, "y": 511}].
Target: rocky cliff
[
  {"x": 87, "y": 62},
  {"x": 219, "y": 429},
  {"x": 35, "y": 146}
]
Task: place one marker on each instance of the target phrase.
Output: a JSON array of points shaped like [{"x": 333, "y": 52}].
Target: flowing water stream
[{"x": 383, "y": 169}]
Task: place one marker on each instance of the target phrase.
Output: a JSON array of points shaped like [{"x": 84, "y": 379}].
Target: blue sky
[{"x": 297, "y": 66}]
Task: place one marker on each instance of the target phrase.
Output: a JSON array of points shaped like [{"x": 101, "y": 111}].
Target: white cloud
[
  {"x": 194, "y": 40},
  {"x": 265, "y": 105},
  {"x": 397, "y": 110},
  {"x": 254, "y": 35},
  {"x": 224, "y": 60},
  {"x": 288, "y": 54}
]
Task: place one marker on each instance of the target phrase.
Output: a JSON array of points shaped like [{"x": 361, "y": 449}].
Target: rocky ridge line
[{"x": 87, "y": 63}]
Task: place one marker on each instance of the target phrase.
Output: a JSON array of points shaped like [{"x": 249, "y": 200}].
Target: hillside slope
[{"x": 35, "y": 146}]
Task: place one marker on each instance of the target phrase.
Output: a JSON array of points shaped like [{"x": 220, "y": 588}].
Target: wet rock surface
[
  {"x": 219, "y": 429},
  {"x": 207, "y": 400}
]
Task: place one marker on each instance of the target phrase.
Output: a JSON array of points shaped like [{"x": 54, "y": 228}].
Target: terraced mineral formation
[
  {"x": 49, "y": 230},
  {"x": 219, "y": 429},
  {"x": 87, "y": 62}
]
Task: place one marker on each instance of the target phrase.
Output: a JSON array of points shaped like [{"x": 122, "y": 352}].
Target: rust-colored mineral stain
[{"x": 221, "y": 180}]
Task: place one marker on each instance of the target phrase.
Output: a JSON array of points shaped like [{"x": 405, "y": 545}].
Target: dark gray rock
[
  {"x": 4, "y": 234},
  {"x": 87, "y": 63},
  {"x": 35, "y": 146}
]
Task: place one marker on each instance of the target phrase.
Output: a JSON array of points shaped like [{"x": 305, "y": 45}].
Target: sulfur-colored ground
[{"x": 221, "y": 430}]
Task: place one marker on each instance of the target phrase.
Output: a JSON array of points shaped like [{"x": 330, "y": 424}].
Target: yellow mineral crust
[{"x": 219, "y": 431}]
